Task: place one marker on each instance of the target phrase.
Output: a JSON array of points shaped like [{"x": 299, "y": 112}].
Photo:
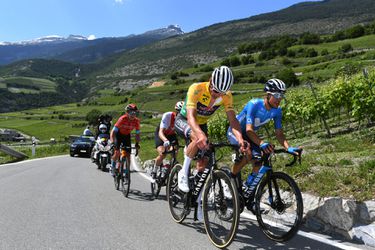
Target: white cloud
[
  {"x": 91, "y": 37},
  {"x": 119, "y": 1}
]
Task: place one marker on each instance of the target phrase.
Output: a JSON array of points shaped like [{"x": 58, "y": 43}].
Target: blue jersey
[{"x": 256, "y": 113}]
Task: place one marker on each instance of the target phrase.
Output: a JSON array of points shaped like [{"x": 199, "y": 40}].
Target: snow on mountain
[
  {"x": 170, "y": 30},
  {"x": 48, "y": 39}
]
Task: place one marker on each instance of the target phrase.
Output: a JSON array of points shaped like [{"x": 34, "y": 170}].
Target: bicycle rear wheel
[
  {"x": 176, "y": 198},
  {"x": 158, "y": 188},
  {"x": 153, "y": 184},
  {"x": 220, "y": 209},
  {"x": 125, "y": 180},
  {"x": 279, "y": 207}
]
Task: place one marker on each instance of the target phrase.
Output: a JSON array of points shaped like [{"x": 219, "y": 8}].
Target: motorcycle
[{"x": 102, "y": 152}]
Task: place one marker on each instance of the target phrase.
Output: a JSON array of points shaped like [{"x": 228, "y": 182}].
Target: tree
[
  {"x": 92, "y": 116},
  {"x": 355, "y": 31},
  {"x": 266, "y": 55},
  {"x": 345, "y": 48},
  {"x": 234, "y": 61},
  {"x": 324, "y": 52},
  {"x": 311, "y": 52},
  {"x": 287, "y": 75},
  {"x": 308, "y": 38}
]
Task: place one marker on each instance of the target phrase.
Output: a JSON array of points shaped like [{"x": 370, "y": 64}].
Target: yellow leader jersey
[{"x": 199, "y": 98}]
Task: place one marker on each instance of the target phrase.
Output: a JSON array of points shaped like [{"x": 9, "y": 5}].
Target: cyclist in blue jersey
[{"x": 255, "y": 114}]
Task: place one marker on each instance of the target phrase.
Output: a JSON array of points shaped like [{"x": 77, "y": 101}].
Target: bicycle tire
[
  {"x": 158, "y": 188},
  {"x": 176, "y": 199},
  {"x": 220, "y": 203},
  {"x": 276, "y": 217},
  {"x": 153, "y": 186},
  {"x": 103, "y": 166},
  {"x": 116, "y": 180},
  {"x": 126, "y": 179}
]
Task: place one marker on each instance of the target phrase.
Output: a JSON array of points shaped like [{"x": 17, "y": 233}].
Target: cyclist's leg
[
  {"x": 238, "y": 163},
  {"x": 201, "y": 165},
  {"x": 116, "y": 153},
  {"x": 183, "y": 129},
  {"x": 256, "y": 160},
  {"x": 160, "y": 149},
  {"x": 128, "y": 147}
]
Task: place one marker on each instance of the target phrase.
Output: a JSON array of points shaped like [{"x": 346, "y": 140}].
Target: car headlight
[{"x": 73, "y": 146}]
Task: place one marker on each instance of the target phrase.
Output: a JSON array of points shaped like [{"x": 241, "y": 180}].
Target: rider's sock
[{"x": 186, "y": 165}]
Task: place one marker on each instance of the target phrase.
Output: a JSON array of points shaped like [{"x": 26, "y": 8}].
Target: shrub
[
  {"x": 288, "y": 76},
  {"x": 345, "y": 48},
  {"x": 92, "y": 116},
  {"x": 324, "y": 52}
]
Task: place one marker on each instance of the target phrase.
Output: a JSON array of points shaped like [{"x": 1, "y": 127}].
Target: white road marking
[{"x": 310, "y": 235}]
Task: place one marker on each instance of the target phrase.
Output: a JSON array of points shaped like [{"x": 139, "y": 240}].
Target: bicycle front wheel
[
  {"x": 220, "y": 209},
  {"x": 125, "y": 180},
  {"x": 176, "y": 199},
  {"x": 117, "y": 180},
  {"x": 279, "y": 207}
]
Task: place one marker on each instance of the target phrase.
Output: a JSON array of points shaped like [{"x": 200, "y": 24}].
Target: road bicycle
[
  {"x": 219, "y": 203},
  {"x": 161, "y": 174},
  {"x": 275, "y": 199},
  {"x": 122, "y": 173}
]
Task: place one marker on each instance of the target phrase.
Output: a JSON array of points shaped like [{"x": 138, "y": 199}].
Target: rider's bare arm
[
  {"x": 252, "y": 134},
  {"x": 197, "y": 134},
  {"x": 236, "y": 128},
  {"x": 161, "y": 134},
  {"x": 279, "y": 133}
]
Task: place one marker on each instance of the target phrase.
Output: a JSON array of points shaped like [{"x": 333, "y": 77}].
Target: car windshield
[{"x": 83, "y": 139}]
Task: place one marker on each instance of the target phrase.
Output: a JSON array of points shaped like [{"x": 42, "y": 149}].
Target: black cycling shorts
[
  {"x": 159, "y": 142},
  {"x": 123, "y": 141},
  {"x": 183, "y": 129}
]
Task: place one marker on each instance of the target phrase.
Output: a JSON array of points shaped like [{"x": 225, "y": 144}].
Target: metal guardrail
[{"x": 12, "y": 152}]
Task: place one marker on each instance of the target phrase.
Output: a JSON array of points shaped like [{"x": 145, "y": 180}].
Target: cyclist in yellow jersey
[
  {"x": 199, "y": 98},
  {"x": 202, "y": 100}
]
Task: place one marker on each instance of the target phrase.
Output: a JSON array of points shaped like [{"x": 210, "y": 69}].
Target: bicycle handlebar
[
  {"x": 295, "y": 157},
  {"x": 174, "y": 148}
]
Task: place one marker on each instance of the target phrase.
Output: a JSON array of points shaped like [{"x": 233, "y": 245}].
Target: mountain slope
[
  {"x": 210, "y": 43},
  {"x": 78, "y": 49}
]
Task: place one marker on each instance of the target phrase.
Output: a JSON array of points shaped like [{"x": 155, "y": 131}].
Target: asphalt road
[{"x": 66, "y": 203}]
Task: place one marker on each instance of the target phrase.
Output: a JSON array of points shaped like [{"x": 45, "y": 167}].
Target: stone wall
[{"x": 335, "y": 215}]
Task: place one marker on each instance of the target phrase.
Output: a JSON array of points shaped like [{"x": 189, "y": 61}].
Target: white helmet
[
  {"x": 222, "y": 79},
  {"x": 178, "y": 106},
  {"x": 102, "y": 128},
  {"x": 275, "y": 85}
]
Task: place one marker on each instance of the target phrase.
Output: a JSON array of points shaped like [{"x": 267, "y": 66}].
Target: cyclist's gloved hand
[
  {"x": 266, "y": 147},
  {"x": 166, "y": 144},
  {"x": 245, "y": 145},
  {"x": 293, "y": 150}
]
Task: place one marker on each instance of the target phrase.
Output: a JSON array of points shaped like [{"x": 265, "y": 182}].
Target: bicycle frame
[{"x": 211, "y": 166}]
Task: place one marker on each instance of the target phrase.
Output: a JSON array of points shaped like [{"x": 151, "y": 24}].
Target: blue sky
[{"x": 29, "y": 19}]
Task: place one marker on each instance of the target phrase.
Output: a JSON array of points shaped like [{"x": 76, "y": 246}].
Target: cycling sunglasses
[
  {"x": 132, "y": 113},
  {"x": 216, "y": 92},
  {"x": 278, "y": 95}
]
